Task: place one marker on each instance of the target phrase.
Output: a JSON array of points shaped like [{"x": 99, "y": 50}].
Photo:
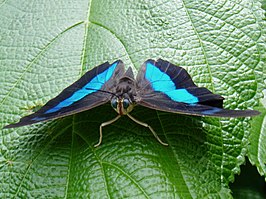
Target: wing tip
[
  {"x": 23, "y": 122},
  {"x": 159, "y": 62},
  {"x": 234, "y": 113},
  {"x": 119, "y": 61},
  {"x": 9, "y": 126},
  {"x": 247, "y": 113},
  {"x": 253, "y": 112},
  {"x": 152, "y": 61}
]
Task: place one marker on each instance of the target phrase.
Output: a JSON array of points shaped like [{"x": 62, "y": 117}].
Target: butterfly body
[
  {"x": 125, "y": 91},
  {"x": 159, "y": 85}
]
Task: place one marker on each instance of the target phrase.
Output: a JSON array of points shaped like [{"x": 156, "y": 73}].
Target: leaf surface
[
  {"x": 257, "y": 148},
  {"x": 46, "y": 46}
]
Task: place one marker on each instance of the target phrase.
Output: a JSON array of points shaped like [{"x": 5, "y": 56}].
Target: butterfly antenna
[{"x": 103, "y": 91}]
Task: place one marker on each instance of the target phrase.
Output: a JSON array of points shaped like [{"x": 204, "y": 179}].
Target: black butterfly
[{"x": 159, "y": 85}]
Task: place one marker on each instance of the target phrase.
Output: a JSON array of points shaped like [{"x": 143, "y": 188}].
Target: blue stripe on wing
[
  {"x": 80, "y": 96},
  {"x": 95, "y": 84},
  {"x": 161, "y": 82},
  {"x": 166, "y": 87}
]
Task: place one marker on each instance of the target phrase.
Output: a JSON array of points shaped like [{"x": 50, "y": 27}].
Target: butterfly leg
[
  {"x": 103, "y": 125},
  {"x": 148, "y": 126}
]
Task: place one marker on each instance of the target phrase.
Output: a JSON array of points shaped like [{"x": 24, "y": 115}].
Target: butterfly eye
[
  {"x": 126, "y": 103},
  {"x": 114, "y": 103}
]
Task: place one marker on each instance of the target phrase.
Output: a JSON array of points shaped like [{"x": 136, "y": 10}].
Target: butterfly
[{"x": 159, "y": 85}]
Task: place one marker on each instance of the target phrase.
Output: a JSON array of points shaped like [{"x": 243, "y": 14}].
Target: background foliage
[{"x": 45, "y": 46}]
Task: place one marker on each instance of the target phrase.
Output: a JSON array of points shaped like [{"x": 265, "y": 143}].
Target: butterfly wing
[
  {"x": 80, "y": 96},
  {"x": 166, "y": 87}
]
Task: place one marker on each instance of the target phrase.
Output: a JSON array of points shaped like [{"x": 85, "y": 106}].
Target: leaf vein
[{"x": 29, "y": 66}]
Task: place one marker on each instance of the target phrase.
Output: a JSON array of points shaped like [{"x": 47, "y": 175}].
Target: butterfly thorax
[{"x": 123, "y": 100}]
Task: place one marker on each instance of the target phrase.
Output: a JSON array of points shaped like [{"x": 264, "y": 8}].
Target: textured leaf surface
[
  {"x": 45, "y": 46},
  {"x": 257, "y": 148}
]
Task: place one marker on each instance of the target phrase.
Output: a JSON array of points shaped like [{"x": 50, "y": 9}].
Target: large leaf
[
  {"x": 257, "y": 148},
  {"x": 47, "y": 45}
]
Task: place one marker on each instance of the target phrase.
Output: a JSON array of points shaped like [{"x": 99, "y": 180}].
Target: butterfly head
[{"x": 122, "y": 105}]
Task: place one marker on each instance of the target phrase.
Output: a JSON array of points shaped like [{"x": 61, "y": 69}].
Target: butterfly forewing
[
  {"x": 159, "y": 85},
  {"x": 80, "y": 96},
  {"x": 159, "y": 102},
  {"x": 166, "y": 87}
]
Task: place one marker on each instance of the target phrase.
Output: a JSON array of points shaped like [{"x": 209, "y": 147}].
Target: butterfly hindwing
[
  {"x": 159, "y": 85},
  {"x": 80, "y": 96},
  {"x": 158, "y": 101},
  {"x": 166, "y": 87}
]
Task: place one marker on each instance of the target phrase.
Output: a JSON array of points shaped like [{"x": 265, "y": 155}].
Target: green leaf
[
  {"x": 46, "y": 46},
  {"x": 257, "y": 148}
]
